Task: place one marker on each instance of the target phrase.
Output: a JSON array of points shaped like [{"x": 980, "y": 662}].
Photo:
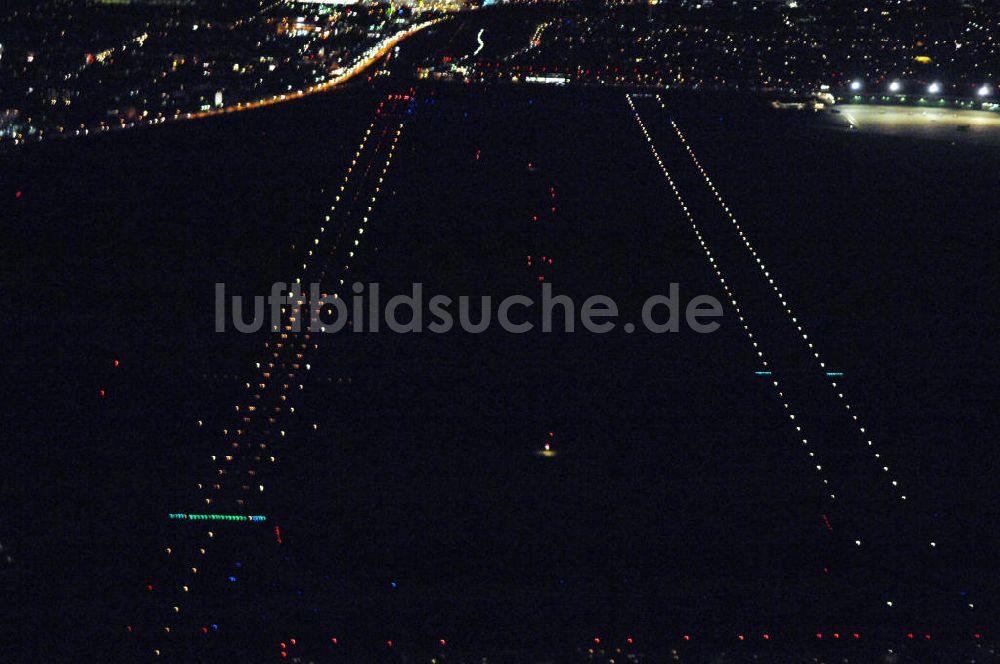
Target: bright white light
[
  {"x": 855, "y": 85},
  {"x": 934, "y": 88},
  {"x": 984, "y": 91},
  {"x": 895, "y": 86}
]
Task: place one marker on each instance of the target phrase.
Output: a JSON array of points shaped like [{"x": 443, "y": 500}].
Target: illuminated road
[
  {"x": 370, "y": 57},
  {"x": 366, "y": 60}
]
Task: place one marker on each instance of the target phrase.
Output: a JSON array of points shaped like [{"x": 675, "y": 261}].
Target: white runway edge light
[
  {"x": 876, "y": 455},
  {"x": 760, "y": 264},
  {"x": 832, "y": 376},
  {"x": 731, "y": 297}
]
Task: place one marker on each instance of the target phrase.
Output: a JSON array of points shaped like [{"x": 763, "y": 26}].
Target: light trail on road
[
  {"x": 479, "y": 40},
  {"x": 369, "y": 57}
]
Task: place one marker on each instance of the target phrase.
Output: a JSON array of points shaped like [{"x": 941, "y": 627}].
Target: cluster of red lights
[
  {"x": 544, "y": 260},
  {"x": 629, "y": 640},
  {"x": 102, "y": 392},
  {"x": 826, "y": 522},
  {"x": 284, "y": 647},
  {"x": 819, "y": 636}
]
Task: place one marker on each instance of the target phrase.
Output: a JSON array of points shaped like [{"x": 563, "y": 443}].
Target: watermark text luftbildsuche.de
[{"x": 321, "y": 312}]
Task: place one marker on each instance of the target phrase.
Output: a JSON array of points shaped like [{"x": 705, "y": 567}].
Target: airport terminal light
[
  {"x": 934, "y": 88},
  {"x": 856, "y": 85},
  {"x": 895, "y": 86},
  {"x": 984, "y": 90}
]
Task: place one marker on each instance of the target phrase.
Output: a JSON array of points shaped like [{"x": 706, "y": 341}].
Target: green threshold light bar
[{"x": 216, "y": 517}]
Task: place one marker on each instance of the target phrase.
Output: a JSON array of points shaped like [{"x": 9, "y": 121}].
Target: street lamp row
[{"x": 895, "y": 85}]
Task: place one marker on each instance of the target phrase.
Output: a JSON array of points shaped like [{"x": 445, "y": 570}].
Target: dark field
[{"x": 680, "y": 501}]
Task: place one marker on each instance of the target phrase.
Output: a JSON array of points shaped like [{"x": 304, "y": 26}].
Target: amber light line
[{"x": 294, "y": 359}]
